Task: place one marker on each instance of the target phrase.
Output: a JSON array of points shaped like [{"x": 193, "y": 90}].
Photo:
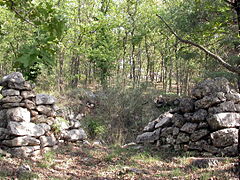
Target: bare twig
[{"x": 215, "y": 56}]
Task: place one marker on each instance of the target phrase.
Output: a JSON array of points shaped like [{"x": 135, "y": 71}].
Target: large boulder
[
  {"x": 25, "y": 129},
  {"x": 18, "y": 114},
  {"x": 224, "y": 120},
  {"x": 225, "y": 137}
]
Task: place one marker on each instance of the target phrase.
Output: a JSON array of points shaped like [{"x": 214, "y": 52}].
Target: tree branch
[
  {"x": 19, "y": 15},
  {"x": 215, "y": 56}
]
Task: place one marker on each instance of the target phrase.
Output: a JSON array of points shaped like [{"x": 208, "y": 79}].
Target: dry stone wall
[
  {"x": 207, "y": 122},
  {"x": 29, "y": 122}
]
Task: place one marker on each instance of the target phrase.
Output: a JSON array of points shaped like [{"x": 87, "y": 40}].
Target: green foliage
[{"x": 48, "y": 159}]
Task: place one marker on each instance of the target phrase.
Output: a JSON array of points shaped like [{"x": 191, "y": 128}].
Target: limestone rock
[
  {"x": 199, "y": 115},
  {"x": 15, "y": 77},
  {"x": 209, "y": 86},
  {"x": 3, "y": 118},
  {"x": 189, "y": 127},
  {"x": 224, "y": 120},
  {"x": 166, "y": 131},
  {"x": 195, "y": 136},
  {"x": 45, "y": 126},
  {"x": 29, "y": 104},
  {"x": 150, "y": 127},
  {"x": 10, "y": 92},
  {"x": 11, "y": 99},
  {"x": 48, "y": 141},
  {"x": 231, "y": 150},
  {"x": 28, "y": 94},
  {"x": 18, "y": 114},
  {"x": 208, "y": 101},
  {"x": 21, "y": 141},
  {"x": 74, "y": 124},
  {"x": 44, "y": 109},
  {"x": 186, "y": 105},
  {"x": 182, "y": 138},
  {"x": 227, "y": 106},
  {"x": 233, "y": 96},
  {"x": 24, "y": 151},
  {"x": 20, "y": 86},
  {"x": 44, "y": 99},
  {"x": 148, "y": 136},
  {"x": 25, "y": 129},
  {"x": 225, "y": 137},
  {"x": 163, "y": 122},
  {"x": 12, "y": 105},
  {"x": 178, "y": 120},
  {"x": 74, "y": 135},
  {"x": 3, "y": 133}
]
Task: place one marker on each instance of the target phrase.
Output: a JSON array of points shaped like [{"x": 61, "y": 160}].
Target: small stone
[
  {"x": 10, "y": 92},
  {"x": 74, "y": 135},
  {"x": 33, "y": 113},
  {"x": 209, "y": 101},
  {"x": 233, "y": 96},
  {"x": 189, "y": 127},
  {"x": 199, "y": 134},
  {"x": 44, "y": 99},
  {"x": 182, "y": 138},
  {"x": 231, "y": 150},
  {"x": 166, "y": 131},
  {"x": 148, "y": 136},
  {"x": 188, "y": 116},
  {"x": 199, "y": 115},
  {"x": 3, "y": 118},
  {"x": 46, "y": 110},
  {"x": 150, "y": 127},
  {"x": 45, "y": 126},
  {"x": 186, "y": 105},
  {"x": 11, "y": 99},
  {"x": 202, "y": 125},
  {"x": 175, "y": 131},
  {"x": 74, "y": 124},
  {"x": 166, "y": 121},
  {"x": 28, "y": 94},
  {"x": 29, "y": 104},
  {"x": 178, "y": 120},
  {"x": 48, "y": 141},
  {"x": 12, "y": 105}
]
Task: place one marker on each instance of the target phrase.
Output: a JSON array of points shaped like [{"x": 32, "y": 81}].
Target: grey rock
[
  {"x": 224, "y": 120},
  {"x": 211, "y": 149},
  {"x": 163, "y": 122},
  {"x": 188, "y": 116},
  {"x": 44, "y": 99},
  {"x": 189, "y": 127},
  {"x": 224, "y": 137},
  {"x": 202, "y": 125},
  {"x": 46, "y": 110},
  {"x": 11, "y": 99},
  {"x": 3, "y": 133},
  {"x": 29, "y": 104},
  {"x": 150, "y": 127},
  {"x": 18, "y": 114},
  {"x": 25, "y": 129},
  {"x": 3, "y": 118},
  {"x": 45, "y": 126},
  {"x": 199, "y": 115},
  {"x": 198, "y": 145},
  {"x": 170, "y": 140},
  {"x": 21, "y": 141},
  {"x": 186, "y": 105},
  {"x": 233, "y": 96},
  {"x": 15, "y": 77},
  {"x": 199, "y": 134},
  {"x": 148, "y": 136},
  {"x": 12, "y": 105},
  {"x": 166, "y": 131},
  {"x": 182, "y": 138},
  {"x": 209, "y": 101},
  {"x": 231, "y": 150},
  {"x": 33, "y": 113},
  {"x": 24, "y": 151},
  {"x": 74, "y": 124},
  {"x": 28, "y": 94},
  {"x": 209, "y": 86},
  {"x": 20, "y": 86},
  {"x": 74, "y": 135},
  {"x": 175, "y": 131},
  {"x": 178, "y": 120},
  {"x": 10, "y": 92},
  {"x": 48, "y": 141}
]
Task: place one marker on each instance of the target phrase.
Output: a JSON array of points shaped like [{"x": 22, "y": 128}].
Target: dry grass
[{"x": 78, "y": 161}]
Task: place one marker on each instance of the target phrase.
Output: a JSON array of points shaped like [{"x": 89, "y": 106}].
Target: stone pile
[
  {"x": 28, "y": 122},
  {"x": 207, "y": 122}
]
